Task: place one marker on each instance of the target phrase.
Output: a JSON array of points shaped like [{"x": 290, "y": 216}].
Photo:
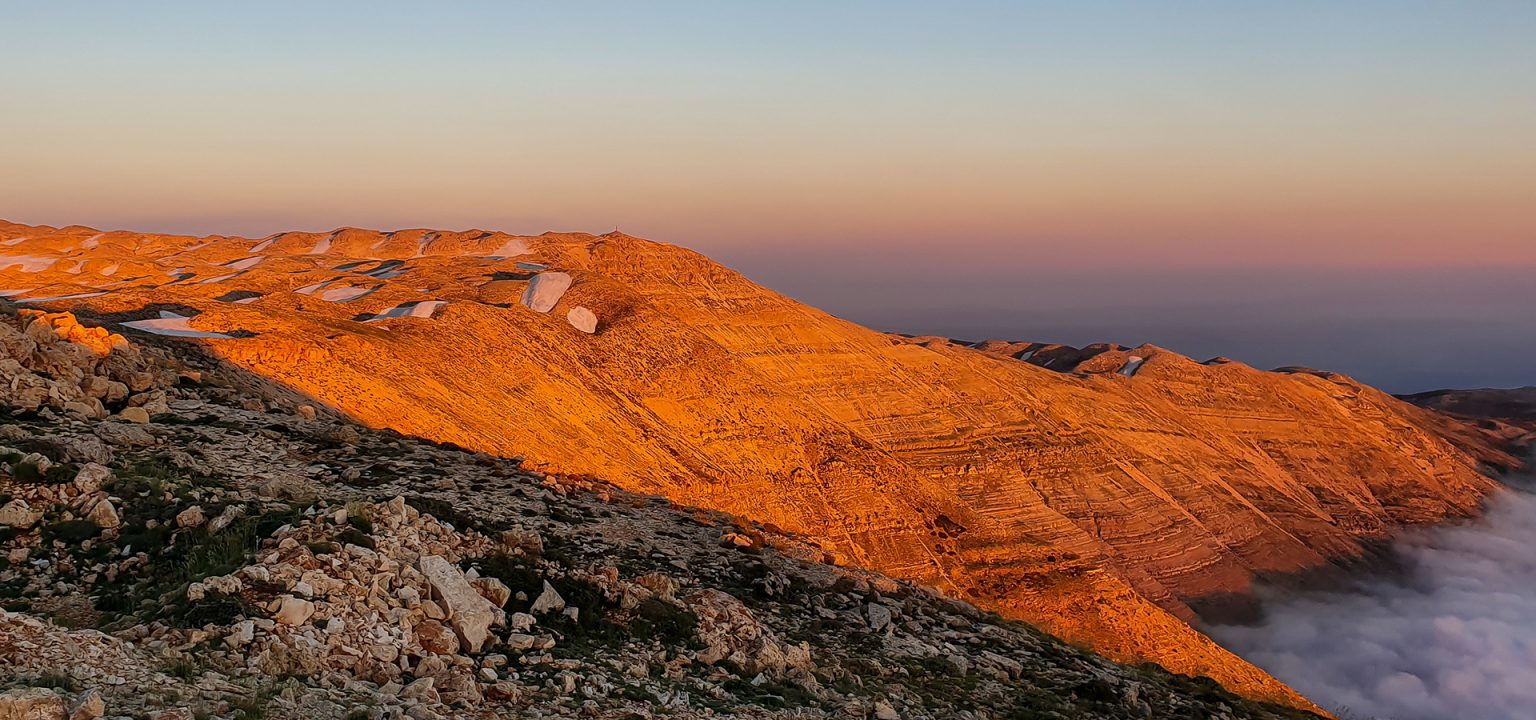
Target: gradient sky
[{"x": 1345, "y": 184}]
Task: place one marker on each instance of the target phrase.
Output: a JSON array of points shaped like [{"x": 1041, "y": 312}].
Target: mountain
[
  {"x": 1509, "y": 412},
  {"x": 215, "y": 549},
  {"x": 1106, "y": 500}
]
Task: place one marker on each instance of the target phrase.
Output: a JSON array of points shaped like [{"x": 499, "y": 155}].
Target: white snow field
[
  {"x": 582, "y": 319},
  {"x": 171, "y": 324},
  {"x": 1132, "y": 364},
  {"x": 545, "y": 290}
]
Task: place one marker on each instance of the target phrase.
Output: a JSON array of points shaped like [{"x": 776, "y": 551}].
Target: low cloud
[{"x": 1453, "y": 638}]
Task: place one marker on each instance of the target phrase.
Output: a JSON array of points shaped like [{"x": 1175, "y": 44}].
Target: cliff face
[{"x": 1098, "y": 503}]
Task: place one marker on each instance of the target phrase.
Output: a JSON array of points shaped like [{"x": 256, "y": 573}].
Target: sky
[{"x": 1345, "y": 185}]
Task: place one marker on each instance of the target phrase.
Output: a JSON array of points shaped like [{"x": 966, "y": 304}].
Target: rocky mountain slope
[
  {"x": 1510, "y": 412},
  {"x": 1105, "y": 504},
  {"x": 180, "y": 539}
]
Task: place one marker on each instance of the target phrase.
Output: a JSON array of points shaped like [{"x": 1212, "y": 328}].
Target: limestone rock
[
  {"x": 470, "y": 614},
  {"x": 548, "y": 601},
  {"x": 105, "y": 515},
  {"x": 124, "y": 434},
  {"x": 31, "y": 704},
  {"x": 18, "y": 514},
  {"x": 729, "y": 631},
  {"x": 493, "y": 590},
  {"x": 91, "y": 477},
  {"x": 89, "y": 706},
  {"x": 293, "y": 611},
  {"x": 191, "y": 517}
]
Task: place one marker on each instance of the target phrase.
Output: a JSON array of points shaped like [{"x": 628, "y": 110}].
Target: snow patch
[
  {"x": 582, "y": 319},
  {"x": 388, "y": 269},
  {"x": 346, "y": 293},
  {"x": 27, "y": 263},
  {"x": 512, "y": 248},
  {"x": 324, "y": 246},
  {"x": 91, "y": 242},
  {"x": 1132, "y": 364},
  {"x": 317, "y": 287},
  {"x": 245, "y": 263},
  {"x": 545, "y": 290},
  {"x": 109, "y": 270},
  {"x": 418, "y": 309},
  {"x": 264, "y": 244},
  {"x": 76, "y": 296},
  {"x": 171, "y": 324}
]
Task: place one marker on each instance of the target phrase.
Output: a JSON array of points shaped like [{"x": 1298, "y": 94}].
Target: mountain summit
[{"x": 1110, "y": 496}]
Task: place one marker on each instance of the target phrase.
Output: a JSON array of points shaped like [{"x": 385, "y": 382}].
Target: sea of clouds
[{"x": 1454, "y": 637}]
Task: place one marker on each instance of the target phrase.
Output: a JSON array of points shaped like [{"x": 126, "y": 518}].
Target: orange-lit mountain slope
[{"x": 1099, "y": 503}]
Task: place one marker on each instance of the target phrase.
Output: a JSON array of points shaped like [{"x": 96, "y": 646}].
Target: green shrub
[
  {"x": 664, "y": 621},
  {"x": 71, "y": 532}
]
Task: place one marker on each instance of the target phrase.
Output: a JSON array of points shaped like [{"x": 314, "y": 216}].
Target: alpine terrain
[{"x": 467, "y": 473}]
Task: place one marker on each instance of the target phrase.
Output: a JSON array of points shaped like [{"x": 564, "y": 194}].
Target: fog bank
[{"x": 1455, "y": 637}]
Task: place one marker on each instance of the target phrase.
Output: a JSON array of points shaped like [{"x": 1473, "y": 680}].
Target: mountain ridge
[{"x": 1096, "y": 504}]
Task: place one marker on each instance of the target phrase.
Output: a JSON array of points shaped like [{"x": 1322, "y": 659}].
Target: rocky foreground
[{"x": 179, "y": 539}]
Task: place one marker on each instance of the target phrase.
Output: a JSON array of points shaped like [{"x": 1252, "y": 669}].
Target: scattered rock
[
  {"x": 105, "y": 515},
  {"x": 89, "y": 706},
  {"x": 548, "y": 601},
  {"x": 18, "y": 514},
  {"x": 31, "y": 704},
  {"x": 191, "y": 517},
  {"x": 293, "y": 611},
  {"x": 470, "y": 613}
]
